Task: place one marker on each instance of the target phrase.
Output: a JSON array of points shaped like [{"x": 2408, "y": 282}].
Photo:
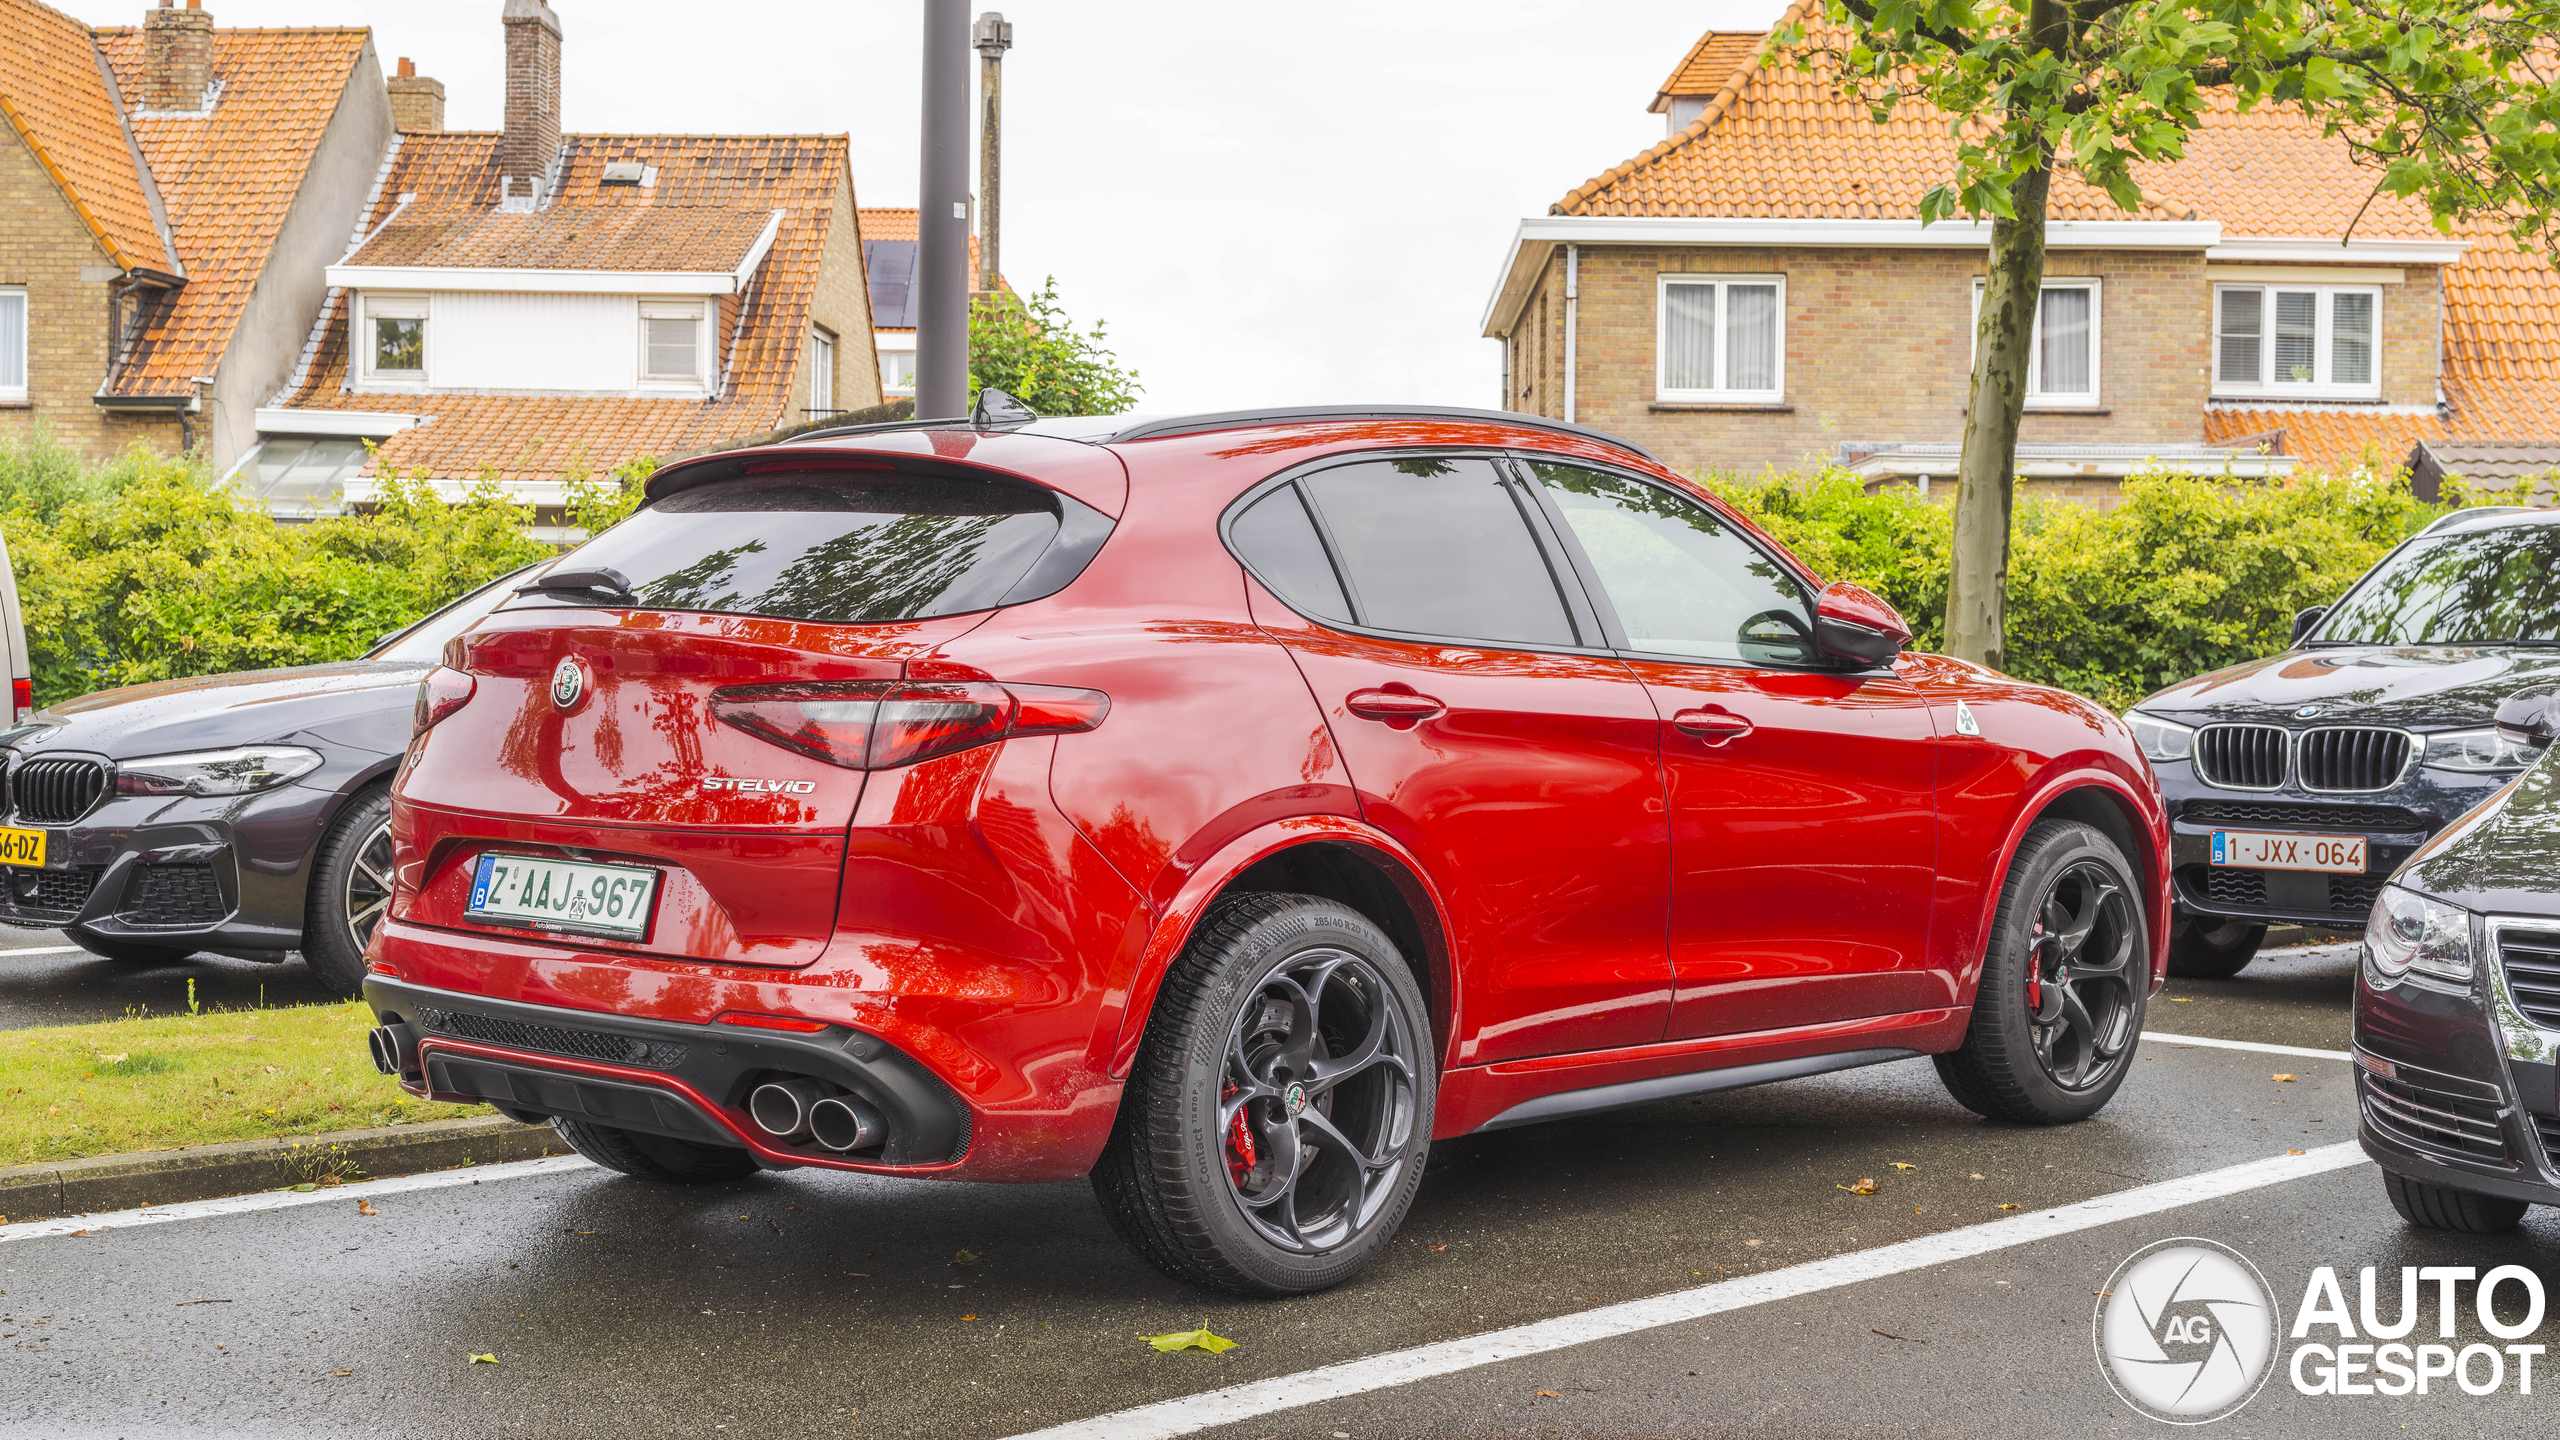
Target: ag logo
[
  {"x": 568, "y": 682},
  {"x": 2186, "y": 1331}
]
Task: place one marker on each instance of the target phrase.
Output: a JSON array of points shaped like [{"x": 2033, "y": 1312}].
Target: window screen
[
  {"x": 848, "y": 548},
  {"x": 672, "y": 355},
  {"x": 1683, "y": 582},
  {"x": 1275, "y": 537},
  {"x": 1439, "y": 546}
]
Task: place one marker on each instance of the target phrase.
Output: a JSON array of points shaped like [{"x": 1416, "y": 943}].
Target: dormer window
[
  {"x": 392, "y": 338},
  {"x": 672, "y": 343}
]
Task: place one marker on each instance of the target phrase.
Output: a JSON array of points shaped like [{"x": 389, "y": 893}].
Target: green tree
[
  {"x": 2447, "y": 101},
  {"x": 1028, "y": 348}
]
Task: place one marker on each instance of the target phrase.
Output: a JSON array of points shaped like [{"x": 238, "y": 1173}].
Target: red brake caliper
[
  {"x": 2035, "y": 970},
  {"x": 1240, "y": 1156}
]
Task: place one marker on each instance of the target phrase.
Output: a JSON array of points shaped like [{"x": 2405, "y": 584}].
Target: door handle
[
  {"x": 1715, "y": 727},
  {"x": 1400, "y": 708}
]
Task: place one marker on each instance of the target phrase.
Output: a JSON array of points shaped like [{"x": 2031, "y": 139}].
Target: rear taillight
[
  {"x": 22, "y": 701},
  {"x": 882, "y": 724},
  {"x": 440, "y": 694}
]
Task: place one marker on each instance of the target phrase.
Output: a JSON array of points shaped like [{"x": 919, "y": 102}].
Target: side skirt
[{"x": 1639, "y": 1092}]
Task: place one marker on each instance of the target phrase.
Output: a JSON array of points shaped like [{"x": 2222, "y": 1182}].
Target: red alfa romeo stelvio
[{"x": 1223, "y": 808}]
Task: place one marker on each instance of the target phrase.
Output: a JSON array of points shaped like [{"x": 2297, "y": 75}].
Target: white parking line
[
  {"x": 285, "y": 1199},
  {"x": 1169, "y": 1418},
  {"x": 2210, "y": 1043},
  {"x": 5, "y": 953}
]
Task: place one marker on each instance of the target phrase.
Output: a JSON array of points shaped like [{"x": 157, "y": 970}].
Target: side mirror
[
  {"x": 2305, "y": 621},
  {"x": 2529, "y": 720},
  {"x": 1853, "y": 625}
]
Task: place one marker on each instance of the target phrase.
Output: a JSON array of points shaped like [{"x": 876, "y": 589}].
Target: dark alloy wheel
[
  {"x": 2202, "y": 948},
  {"x": 2064, "y": 981},
  {"x": 350, "y": 891},
  {"x": 1275, "y": 1128}
]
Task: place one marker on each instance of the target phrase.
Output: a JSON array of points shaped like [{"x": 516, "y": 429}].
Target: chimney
[
  {"x": 533, "y": 97},
  {"x": 177, "y": 49},
  {"x": 417, "y": 102}
]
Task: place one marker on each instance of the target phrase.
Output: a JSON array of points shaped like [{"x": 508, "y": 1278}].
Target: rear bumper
[{"x": 666, "y": 1078}]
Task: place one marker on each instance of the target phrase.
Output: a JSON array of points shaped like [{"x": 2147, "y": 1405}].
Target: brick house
[
  {"x": 1757, "y": 290},
  {"x": 529, "y": 303},
  {"x": 169, "y": 194}
]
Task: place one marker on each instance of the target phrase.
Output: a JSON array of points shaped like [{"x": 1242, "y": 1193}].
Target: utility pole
[
  {"x": 993, "y": 36},
  {"x": 942, "y": 217}
]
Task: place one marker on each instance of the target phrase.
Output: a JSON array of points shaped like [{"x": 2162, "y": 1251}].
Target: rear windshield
[
  {"x": 2476, "y": 589},
  {"x": 847, "y": 548}
]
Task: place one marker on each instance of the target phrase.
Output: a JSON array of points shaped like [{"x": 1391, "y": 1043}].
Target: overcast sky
[{"x": 1267, "y": 204}]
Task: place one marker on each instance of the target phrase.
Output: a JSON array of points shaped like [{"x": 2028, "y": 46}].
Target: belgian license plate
[
  {"x": 21, "y": 847},
  {"x": 2258, "y": 851},
  {"x": 563, "y": 895}
]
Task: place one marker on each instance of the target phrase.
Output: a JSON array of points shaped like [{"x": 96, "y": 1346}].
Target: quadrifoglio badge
[{"x": 2188, "y": 1332}]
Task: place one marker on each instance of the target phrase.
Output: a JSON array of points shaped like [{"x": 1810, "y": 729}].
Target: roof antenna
[{"x": 995, "y": 408}]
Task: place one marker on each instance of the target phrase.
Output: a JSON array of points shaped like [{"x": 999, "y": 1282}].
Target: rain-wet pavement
[
  {"x": 811, "y": 1303},
  {"x": 47, "y": 980}
]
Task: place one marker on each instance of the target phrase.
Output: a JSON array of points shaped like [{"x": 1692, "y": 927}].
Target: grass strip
[{"x": 156, "y": 1081}]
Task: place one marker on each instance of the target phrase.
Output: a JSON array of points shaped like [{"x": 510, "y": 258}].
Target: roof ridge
[{"x": 1714, "y": 111}]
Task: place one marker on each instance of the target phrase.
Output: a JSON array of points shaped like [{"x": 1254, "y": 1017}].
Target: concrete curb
[{"x": 204, "y": 1172}]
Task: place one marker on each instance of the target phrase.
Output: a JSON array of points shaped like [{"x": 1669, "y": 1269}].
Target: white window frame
[
  {"x": 1719, "y": 394},
  {"x": 17, "y": 394},
  {"x": 2321, "y": 386},
  {"x": 2091, "y": 399},
  {"x": 698, "y": 311},
  {"x": 889, "y": 390},
  {"x": 823, "y": 351},
  {"x": 370, "y": 307}
]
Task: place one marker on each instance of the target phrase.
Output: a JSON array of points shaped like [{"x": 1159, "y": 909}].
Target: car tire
[
  {"x": 2056, "y": 1018},
  {"x": 2205, "y": 948},
  {"x": 2441, "y": 1207},
  {"x": 125, "y": 951},
  {"x": 662, "y": 1158},
  {"x": 1234, "y": 1062},
  {"x": 350, "y": 891}
]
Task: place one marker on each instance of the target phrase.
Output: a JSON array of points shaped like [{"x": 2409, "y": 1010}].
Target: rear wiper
[
  {"x": 603, "y": 582},
  {"x": 2520, "y": 640}
]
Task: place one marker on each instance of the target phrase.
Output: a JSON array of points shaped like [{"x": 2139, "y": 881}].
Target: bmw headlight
[
  {"x": 215, "y": 772},
  {"x": 2408, "y": 932},
  {"x": 2480, "y": 752},
  {"x": 2160, "y": 739}
]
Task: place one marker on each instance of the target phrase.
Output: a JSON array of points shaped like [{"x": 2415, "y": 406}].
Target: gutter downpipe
[{"x": 1572, "y": 295}]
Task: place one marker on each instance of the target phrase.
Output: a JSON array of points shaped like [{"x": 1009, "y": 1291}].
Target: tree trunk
[{"x": 1978, "y": 582}]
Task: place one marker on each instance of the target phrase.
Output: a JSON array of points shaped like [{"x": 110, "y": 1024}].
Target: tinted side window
[
  {"x": 1683, "y": 582},
  {"x": 1438, "y": 546},
  {"x": 1277, "y": 539}
]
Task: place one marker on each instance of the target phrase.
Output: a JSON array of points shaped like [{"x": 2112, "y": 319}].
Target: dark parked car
[
  {"x": 2296, "y": 783},
  {"x": 246, "y": 814},
  {"x": 2457, "y": 1028}
]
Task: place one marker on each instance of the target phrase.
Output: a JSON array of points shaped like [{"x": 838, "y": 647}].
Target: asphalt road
[
  {"x": 823, "y": 1304},
  {"x": 47, "y": 980}
]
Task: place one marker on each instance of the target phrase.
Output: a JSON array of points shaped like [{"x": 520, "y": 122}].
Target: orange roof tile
[
  {"x": 228, "y": 178},
  {"x": 59, "y": 102},
  {"x": 569, "y": 237},
  {"x": 715, "y": 181},
  {"x": 1710, "y": 64},
  {"x": 2502, "y": 341},
  {"x": 2328, "y": 438}
]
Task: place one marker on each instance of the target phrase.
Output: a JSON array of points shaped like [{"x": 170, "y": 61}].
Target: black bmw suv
[{"x": 2295, "y": 784}]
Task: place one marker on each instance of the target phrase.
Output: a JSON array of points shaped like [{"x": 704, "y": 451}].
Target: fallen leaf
[
  {"x": 1902, "y": 1165},
  {"x": 1552, "y": 1394},
  {"x": 1863, "y": 1187},
  {"x": 484, "y": 1359},
  {"x": 963, "y": 1257},
  {"x": 340, "y": 1374},
  {"x": 2283, "y": 1079},
  {"x": 79, "y": 1234},
  {"x": 968, "y": 1317},
  {"x": 2181, "y": 1000},
  {"x": 1976, "y": 1175},
  {"x": 2004, "y": 1205},
  {"x": 365, "y": 1207},
  {"x": 1190, "y": 1339},
  {"x": 1755, "y": 1243},
  {"x": 1439, "y": 1247},
  {"x": 2297, "y": 1152},
  {"x": 1889, "y": 1335}
]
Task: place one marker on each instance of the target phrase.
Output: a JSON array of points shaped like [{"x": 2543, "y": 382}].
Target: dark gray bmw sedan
[{"x": 246, "y": 814}]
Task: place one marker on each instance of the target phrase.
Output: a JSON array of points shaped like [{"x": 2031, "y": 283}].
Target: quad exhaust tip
[
  {"x": 394, "y": 1047},
  {"x": 781, "y": 1107},
  {"x": 841, "y": 1122}
]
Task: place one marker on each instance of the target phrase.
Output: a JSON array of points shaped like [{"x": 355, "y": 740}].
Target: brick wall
[
  {"x": 177, "y": 49},
  {"x": 69, "y": 281},
  {"x": 1878, "y": 347},
  {"x": 841, "y": 304},
  {"x": 533, "y": 90}
]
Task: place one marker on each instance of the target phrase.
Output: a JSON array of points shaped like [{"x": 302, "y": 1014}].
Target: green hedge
[
  {"x": 2184, "y": 576},
  {"x": 144, "y": 570}
]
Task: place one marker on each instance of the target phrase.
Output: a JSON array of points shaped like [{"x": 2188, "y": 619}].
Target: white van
[{"x": 13, "y": 636}]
